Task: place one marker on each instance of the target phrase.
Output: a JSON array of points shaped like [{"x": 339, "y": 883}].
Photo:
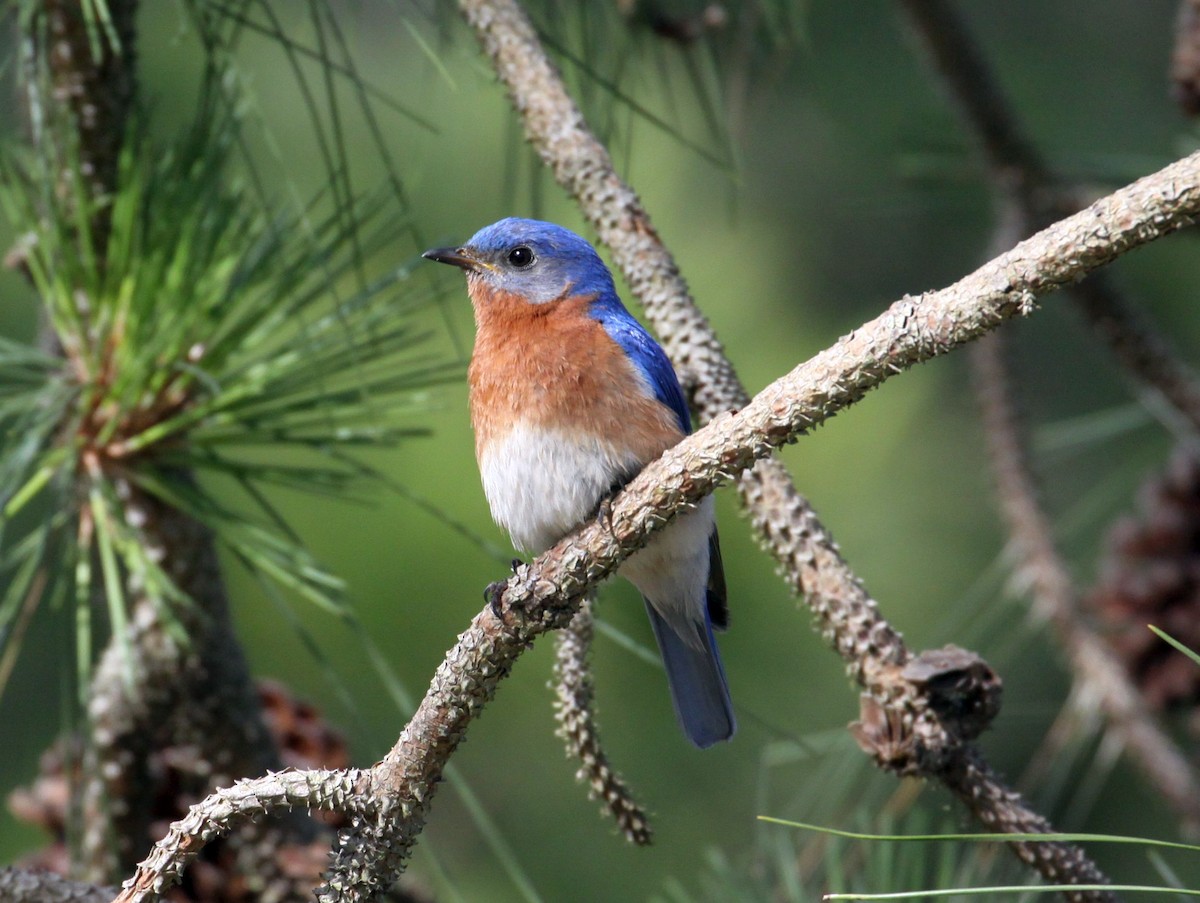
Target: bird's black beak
[{"x": 458, "y": 257}]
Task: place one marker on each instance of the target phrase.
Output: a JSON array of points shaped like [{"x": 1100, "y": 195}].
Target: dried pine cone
[
  {"x": 1151, "y": 575},
  {"x": 304, "y": 739},
  {"x": 1185, "y": 57}
]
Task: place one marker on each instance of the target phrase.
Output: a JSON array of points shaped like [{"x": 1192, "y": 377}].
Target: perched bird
[{"x": 570, "y": 399}]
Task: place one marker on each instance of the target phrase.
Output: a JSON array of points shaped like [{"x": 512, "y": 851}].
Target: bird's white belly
[
  {"x": 540, "y": 483},
  {"x": 672, "y": 571}
]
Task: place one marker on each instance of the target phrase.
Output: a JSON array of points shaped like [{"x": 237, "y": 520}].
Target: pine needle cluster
[{"x": 195, "y": 335}]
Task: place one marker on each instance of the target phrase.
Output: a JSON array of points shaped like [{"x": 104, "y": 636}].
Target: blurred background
[{"x": 806, "y": 170}]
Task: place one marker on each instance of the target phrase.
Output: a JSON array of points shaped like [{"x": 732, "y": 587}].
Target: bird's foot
[
  {"x": 493, "y": 596},
  {"x": 604, "y": 511},
  {"x": 494, "y": 593}
]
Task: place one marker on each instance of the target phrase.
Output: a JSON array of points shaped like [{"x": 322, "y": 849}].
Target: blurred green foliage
[{"x": 853, "y": 185}]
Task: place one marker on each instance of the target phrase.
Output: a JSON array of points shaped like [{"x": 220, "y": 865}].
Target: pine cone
[
  {"x": 1185, "y": 57},
  {"x": 304, "y": 739},
  {"x": 1151, "y": 575}
]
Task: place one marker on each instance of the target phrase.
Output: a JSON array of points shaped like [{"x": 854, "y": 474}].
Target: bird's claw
[
  {"x": 494, "y": 595},
  {"x": 604, "y": 511}
]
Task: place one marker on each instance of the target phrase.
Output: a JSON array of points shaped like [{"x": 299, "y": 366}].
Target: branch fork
[{"x": 546, "y": 594}]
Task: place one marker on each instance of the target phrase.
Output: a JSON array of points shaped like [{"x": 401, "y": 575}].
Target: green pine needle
[
  {"x": 989, "y": 890},
  {"x": 204, "y": 330},
  {"x": 1015, "y": 889},
  {"x": 988, "y": 838},
  {"x": 1166, "y": 637}
]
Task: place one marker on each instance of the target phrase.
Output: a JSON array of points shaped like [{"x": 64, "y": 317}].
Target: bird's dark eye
[{"x": 520, "y": 257}]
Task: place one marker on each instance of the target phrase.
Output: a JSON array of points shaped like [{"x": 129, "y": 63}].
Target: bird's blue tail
[{"x": 697, "y": 682}]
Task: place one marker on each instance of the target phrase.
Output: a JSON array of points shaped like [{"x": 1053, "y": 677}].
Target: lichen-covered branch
[
  {"x": 194, "y": 694},
  {"x": 1002, "y": 810}
]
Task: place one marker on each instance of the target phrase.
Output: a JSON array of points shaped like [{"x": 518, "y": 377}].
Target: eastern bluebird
[{"x": 570, "y": 399}]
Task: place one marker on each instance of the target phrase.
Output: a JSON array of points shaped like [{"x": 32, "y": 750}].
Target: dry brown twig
[
  {"x": 392, "y": 799},
  {"x": 577, "y": 725},
  {"x": 1029, "y": 196}
]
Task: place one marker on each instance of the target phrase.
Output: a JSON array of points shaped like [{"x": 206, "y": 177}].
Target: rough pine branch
[{"x": 395, "y": 795}]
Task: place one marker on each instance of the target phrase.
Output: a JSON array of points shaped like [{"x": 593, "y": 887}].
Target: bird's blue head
[{"x": 538, "y": 261}]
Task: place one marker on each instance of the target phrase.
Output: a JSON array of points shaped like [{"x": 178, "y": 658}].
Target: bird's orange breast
[{"x": 551, "y": 366}]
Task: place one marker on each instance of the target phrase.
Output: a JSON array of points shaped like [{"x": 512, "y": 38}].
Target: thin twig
[
  {"x": 230, "y": 808},
  {"x": 573, "y": 708},
  {"x": 1028, "y": 197}
]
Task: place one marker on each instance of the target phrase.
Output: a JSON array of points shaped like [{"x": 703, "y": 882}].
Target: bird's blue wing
[{"x": 646, "y": 354}]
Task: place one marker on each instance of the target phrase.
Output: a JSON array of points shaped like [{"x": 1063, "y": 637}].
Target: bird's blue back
[{"x": 645, "y": 353}]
